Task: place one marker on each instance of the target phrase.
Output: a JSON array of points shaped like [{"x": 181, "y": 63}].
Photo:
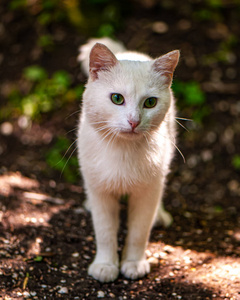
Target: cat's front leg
[
  {"x": 142, "y": 209},
  {"x": 104, "y": 209}
]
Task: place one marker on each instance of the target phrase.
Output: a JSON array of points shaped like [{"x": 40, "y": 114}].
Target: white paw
[
  {"x": 135, "y": 269},
  {"x": 103, "y": 272},
  {"x": 163, "y": 218}
]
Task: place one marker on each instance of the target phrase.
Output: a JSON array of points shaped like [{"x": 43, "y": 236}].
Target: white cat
[{"x": 126, "y": 139}]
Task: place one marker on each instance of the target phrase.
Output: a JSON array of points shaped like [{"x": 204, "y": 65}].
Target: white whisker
[
  {"x": 67, "y": 151},
  {"x": 107, "y": 134},
  {"x": 100, "y": 122},
  {"x": 176, "y": 147},
  {"x": 68, "y": 159},
  {"x": 182, "y": 125},
  {"x": 112, "y": 138},
  {"x": 72, "y": 130},
  {"x": 146, "y": 134},
  {"x": 183, "y": 119},
  {"x": 179, "y": 151},
  {"x": 72, "y": 114}
]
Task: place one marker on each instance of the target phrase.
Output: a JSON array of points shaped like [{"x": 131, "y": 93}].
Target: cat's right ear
[
  {"x": 101, "y": 59},
  {"x": 165, "y": 66}
]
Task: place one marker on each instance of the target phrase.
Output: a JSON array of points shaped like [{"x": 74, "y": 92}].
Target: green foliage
[
  {"x": 236, "y": 162},
  {"x": 42, "y": 93},
  {"x": 213, "y": 10},
  {"x": 218, "y": 209},
  {"x": 189, "y": 94},
  {"x": 38, "y": 258},
  {"x": 214, "y": 3},
  {"x": 17, "y": 4},
  {"x": 44, "y": 11},
  {"x": 223, "y": 54},
  {"x": 35, "y": 73},
  {"x": 91, "y": 17},
  {"x": 45, "y": 41},
  {"x": 59, "y": 159}
]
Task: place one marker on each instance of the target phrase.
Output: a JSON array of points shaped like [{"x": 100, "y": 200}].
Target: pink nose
[{"x": 133, "y": 124}]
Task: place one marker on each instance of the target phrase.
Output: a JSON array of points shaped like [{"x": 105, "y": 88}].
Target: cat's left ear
[
  {"x": 165, "y": 66},
  {"x": 101, "y": 59}
]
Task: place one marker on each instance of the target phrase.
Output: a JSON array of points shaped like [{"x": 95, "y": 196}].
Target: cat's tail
[{"x": 84, "y": 50}]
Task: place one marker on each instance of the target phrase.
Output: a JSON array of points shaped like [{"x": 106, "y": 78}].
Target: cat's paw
[
  {"x": 103, "y": 272},
  {"x": 135, "y": 269},
  {"x": 163, "y": 218}
]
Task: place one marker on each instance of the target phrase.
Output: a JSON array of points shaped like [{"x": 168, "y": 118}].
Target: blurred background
[
  {"x": 40, "y": 95},
  {"x": 41, "y": 82}
]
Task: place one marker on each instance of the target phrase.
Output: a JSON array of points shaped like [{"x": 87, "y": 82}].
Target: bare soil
[{"x": 46, "y": 237}]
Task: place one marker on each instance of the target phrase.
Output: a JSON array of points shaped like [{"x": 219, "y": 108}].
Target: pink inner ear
[
  {"x": 166, "y": 64},
  {"x": 101, "y": 59}
]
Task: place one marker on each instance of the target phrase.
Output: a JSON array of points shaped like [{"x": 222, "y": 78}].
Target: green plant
[
  {"x": 190, "y": 95},
  {"x": 236, "y": 162},
  {"x": 224, "y": 52},
  {"x": 82, "y": 15},
  {"x": 38, "y": 258},
  {"x": 190, "y": 92},
  {"x": 42, "y": 93},
  {"x": 59, "y": 159}
]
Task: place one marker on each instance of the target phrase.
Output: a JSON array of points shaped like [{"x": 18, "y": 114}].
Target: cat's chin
[{"x": 130, "y": 135}]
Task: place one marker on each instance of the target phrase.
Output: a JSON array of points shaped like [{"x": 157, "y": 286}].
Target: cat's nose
[{"x": 133, "y": 124}]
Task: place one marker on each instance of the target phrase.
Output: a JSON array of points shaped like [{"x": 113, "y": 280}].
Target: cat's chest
[
  {"x": 121, "y": 169},
  {"x": 120, "y": 161},
  {"x": 118, "y": 167}
]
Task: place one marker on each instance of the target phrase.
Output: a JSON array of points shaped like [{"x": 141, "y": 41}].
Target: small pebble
[
  {"x": 26, "y": 294},
  {"x": 63, "y": 290},
  {"x": 79, "y": 210},
  {"x": 75, "y": 254},
  {"x": 100, "y": 294},
  {"x": 153, "y": 261}
]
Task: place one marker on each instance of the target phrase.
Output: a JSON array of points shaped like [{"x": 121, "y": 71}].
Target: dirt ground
[{"x": 46, "y": 237}]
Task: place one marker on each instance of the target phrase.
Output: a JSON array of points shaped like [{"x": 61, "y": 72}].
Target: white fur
[
  {"x": 115, "y": 161},
  {"x": 83, "y": 56}
]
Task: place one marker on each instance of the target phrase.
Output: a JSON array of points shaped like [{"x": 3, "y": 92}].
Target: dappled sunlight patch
[
  {"x": 36, "y": 198},
  {"x": 31, "y": 213},
  {"x": 10, "y": 181},
  {"x": 236, "y": 236},
  {"x": 193, "y": 267},
  {"x": 218, "y": 274},
  {"x": 24, "y": 204},
  {"x": 18, "y": 219}
]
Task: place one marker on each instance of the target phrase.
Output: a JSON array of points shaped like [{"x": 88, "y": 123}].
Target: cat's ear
[
  {"x": 165, "y": 66},
  {"x": 101, "y": 59}
]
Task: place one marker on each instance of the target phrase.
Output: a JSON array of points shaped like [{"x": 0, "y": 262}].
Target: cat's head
[{"x": 128, "y": 98}]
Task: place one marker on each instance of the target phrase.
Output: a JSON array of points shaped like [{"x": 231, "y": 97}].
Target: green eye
[
  {"x": 117, "y": 99},
  {"x": 150, "y": 102}
]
